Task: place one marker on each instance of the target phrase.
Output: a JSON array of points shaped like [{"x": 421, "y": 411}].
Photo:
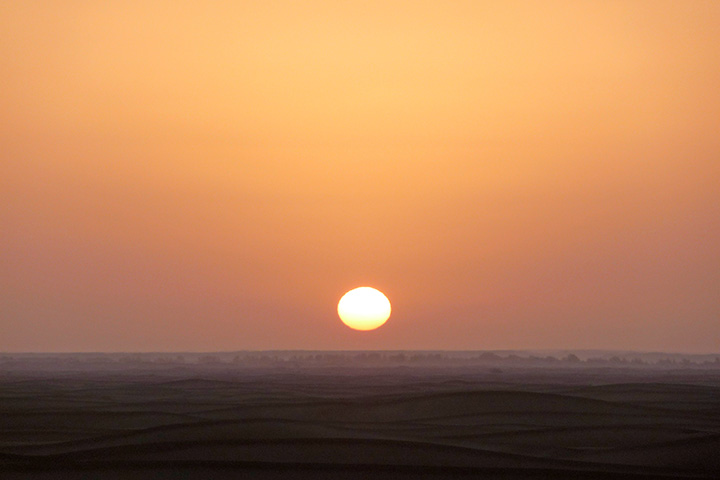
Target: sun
[{"x": 364, "y": 308}]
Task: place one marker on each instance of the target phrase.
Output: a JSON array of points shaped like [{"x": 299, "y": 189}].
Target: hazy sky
[{"x": 215, "y": 175}]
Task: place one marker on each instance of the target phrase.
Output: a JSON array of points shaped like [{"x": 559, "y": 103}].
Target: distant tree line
[{"x": 368, "y": 358}]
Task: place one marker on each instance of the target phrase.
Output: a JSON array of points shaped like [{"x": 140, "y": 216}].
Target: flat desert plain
[{"x": 114, "y": 420}]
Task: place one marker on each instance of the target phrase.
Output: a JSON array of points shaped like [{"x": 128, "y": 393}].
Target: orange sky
[{"x": 215, "y": 175}]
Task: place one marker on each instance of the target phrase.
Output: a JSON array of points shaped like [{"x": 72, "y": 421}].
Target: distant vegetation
[{"x": 495, "y": 360}]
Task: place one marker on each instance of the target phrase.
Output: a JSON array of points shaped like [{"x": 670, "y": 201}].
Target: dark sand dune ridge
[{"x": 413, "y": 424}]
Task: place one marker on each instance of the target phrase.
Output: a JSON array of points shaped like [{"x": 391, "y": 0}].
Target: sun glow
[{"x": 364, "y": 308}]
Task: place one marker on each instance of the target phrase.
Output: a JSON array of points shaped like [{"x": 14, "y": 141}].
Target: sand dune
[{"x": 310, "y": 426}]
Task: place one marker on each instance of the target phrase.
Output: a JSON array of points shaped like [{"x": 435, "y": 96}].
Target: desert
[{"x": 357, "y": 415}]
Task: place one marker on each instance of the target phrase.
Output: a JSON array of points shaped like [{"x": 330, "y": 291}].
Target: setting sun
[{"x": 364, "y": 308}]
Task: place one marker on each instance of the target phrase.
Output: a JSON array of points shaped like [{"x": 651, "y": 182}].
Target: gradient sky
[{"x": 215, "y": 175}]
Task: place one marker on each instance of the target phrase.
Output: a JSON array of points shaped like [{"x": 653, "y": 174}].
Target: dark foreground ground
[{"x": 206, "y": 422}]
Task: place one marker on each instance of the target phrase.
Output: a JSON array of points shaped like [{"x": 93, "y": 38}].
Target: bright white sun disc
[{"x": 364, "y": 308}]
